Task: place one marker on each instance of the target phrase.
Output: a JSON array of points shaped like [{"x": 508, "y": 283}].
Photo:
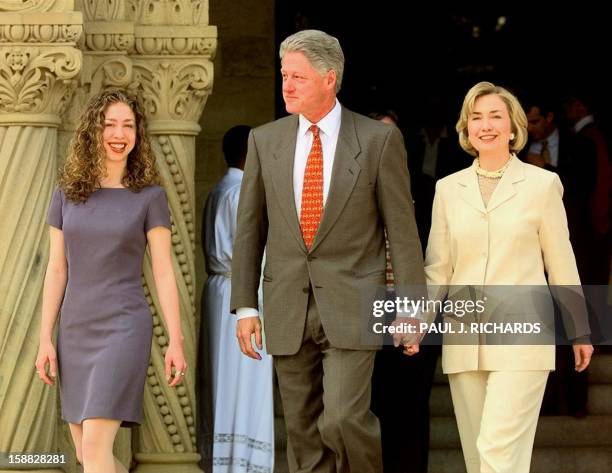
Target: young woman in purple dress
[{"x": 106, "y": 210}]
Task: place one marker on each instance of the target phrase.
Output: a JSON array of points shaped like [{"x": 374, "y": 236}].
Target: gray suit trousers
[{"x": 326, "y": 400}]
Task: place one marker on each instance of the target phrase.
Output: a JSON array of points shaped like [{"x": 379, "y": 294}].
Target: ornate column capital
[
  {"x": 174, "y": 92},
  {"x": 39, "y": 64},
  {"x": 26, "y": 6},
  {"x": 173, "y": 71},
  {"x": 107, "y": 40},
  {"x": 196, "y": 40},
  {"x": 108, "y": 27},
  {"x": 169, "y": 12}
]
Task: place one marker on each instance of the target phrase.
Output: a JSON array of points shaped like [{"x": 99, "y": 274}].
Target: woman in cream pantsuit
[{"x": 498, "y": 222}]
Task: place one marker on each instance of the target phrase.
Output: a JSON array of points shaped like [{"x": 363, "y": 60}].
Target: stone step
[
  {"x": 553, "y": 431},
  {"x": 544, "y": 460},
  {"x": 440, "y": 402},
  {"x": 600, "y": 399},
  {"x": 590, "y": 431},
  {"x": 600, "y": 371},
  {"x": 599, "y": 403}
]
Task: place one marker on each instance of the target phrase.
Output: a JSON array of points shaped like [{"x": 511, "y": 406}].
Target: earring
[{"x": 511, "y": 136}]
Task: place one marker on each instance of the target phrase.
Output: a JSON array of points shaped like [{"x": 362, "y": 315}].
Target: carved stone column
[
  {"x": 173, "y": 74},
  {"x": 39, "y": 65}
]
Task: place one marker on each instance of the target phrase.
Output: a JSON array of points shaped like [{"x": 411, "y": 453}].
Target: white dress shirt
[
  {"x": 329, "y": 128},
  {"x": 553, "y": 147},
  {"x": 580, "y": 124}
]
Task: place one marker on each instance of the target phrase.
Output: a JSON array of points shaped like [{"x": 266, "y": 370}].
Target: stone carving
[
  {"x": 35, "y": 80},
  {"x": 162, "y": 50},
  {"x": 97, "y": 10},
  {"x": 173, "y": 90},
  {"x": 39, "y": 33},
  {"x": 26, "y": 6},
  {"x": 186, "y": 40},
  {"x": 169, "y": 12}
]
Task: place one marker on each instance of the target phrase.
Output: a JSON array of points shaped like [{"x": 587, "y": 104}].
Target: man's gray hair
[{"x": 322, "y": 50}]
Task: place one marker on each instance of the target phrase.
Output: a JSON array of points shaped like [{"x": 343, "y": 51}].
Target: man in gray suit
[{"x": 319, "y": 188}]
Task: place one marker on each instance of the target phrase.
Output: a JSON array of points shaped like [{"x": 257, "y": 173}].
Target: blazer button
[
  {"x": 306, "y": 290},
  {"x": 310, "y": 257}
]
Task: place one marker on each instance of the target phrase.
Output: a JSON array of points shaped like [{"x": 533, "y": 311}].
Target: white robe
[{"x": 243, "y": 413}]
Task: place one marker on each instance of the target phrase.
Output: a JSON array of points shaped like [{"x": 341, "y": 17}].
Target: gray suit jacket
[{"x": 369, "y": 190}]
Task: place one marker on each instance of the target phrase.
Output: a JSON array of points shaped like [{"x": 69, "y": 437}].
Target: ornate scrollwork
[
  {"x": 35, "y": 80},
  {"x": 109, "y": 42},
  {"x": 23, "y": 6},
  {"x": 174, "y": 90},
  {"x": 38, "y": 33},
  {"x": 96, "y": 10},
  {"x": 164, "y": 12},
  {"x": 177, "y": 45}
]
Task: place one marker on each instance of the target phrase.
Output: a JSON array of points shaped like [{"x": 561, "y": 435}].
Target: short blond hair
[{"x": 518, "y": 119}]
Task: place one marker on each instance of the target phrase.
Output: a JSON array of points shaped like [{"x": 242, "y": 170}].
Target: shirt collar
[
  {"x": 235, "y": 172},
  {"x": 329, "y": 124},
  {"x": 553, "y": 138},
  {"x": 580, "y": 124}
]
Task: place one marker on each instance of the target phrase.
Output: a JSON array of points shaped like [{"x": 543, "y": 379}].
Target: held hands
[
  {"x": 46, "y": 356},
  {"x": 582, "y": 356},
  {"x": 175, "y": 357},
  {"x": 407, "y": 334},
  {"x": 245, "y": 328}
]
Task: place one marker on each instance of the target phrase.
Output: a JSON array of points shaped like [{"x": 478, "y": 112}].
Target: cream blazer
[{"x": 516, "y": 238}]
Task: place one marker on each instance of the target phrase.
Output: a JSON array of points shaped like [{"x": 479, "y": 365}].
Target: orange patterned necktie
[{"x": 312, "y": 192}]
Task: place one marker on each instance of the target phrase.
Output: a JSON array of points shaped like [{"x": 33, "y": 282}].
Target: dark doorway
[{"x": 397, "y": 56}]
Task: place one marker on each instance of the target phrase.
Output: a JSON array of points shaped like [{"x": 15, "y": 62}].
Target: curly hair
[{"x": 85, "y": 168}]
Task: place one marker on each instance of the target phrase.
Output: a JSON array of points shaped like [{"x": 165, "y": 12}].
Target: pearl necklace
[{"x": 492, "y": 174}]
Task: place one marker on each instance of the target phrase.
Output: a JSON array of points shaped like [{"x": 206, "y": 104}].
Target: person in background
[
  {"x": 556, "y": 149},
  {"x": 400, "y": 381},
  {"x": 577, "y": 109},
  {"x": 242, "y": 403},
  {"x": 432, "y": 155}
]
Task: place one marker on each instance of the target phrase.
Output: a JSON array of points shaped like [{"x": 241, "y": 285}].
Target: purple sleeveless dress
[{"x": 105, "y": 325}]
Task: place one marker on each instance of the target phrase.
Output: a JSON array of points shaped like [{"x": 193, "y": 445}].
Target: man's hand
[
  {"x": 245, "y": 328},
  {"x": 582, "y": 356},
  {"x": 409, "y": 334}
]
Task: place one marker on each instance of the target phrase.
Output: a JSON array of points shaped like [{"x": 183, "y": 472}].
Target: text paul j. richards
[{"x": 471, "y": 328}]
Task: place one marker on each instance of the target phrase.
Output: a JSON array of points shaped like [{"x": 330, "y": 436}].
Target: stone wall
[{"x": 245, "y": 82}]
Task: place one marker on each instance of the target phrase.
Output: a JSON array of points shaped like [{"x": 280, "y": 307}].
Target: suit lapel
[
  {"x": 470, "y": 190},
  {"x": 344, "y": 175},
  {"x": 505, "y": 188},
  {"x": 282, "y": 173}
]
